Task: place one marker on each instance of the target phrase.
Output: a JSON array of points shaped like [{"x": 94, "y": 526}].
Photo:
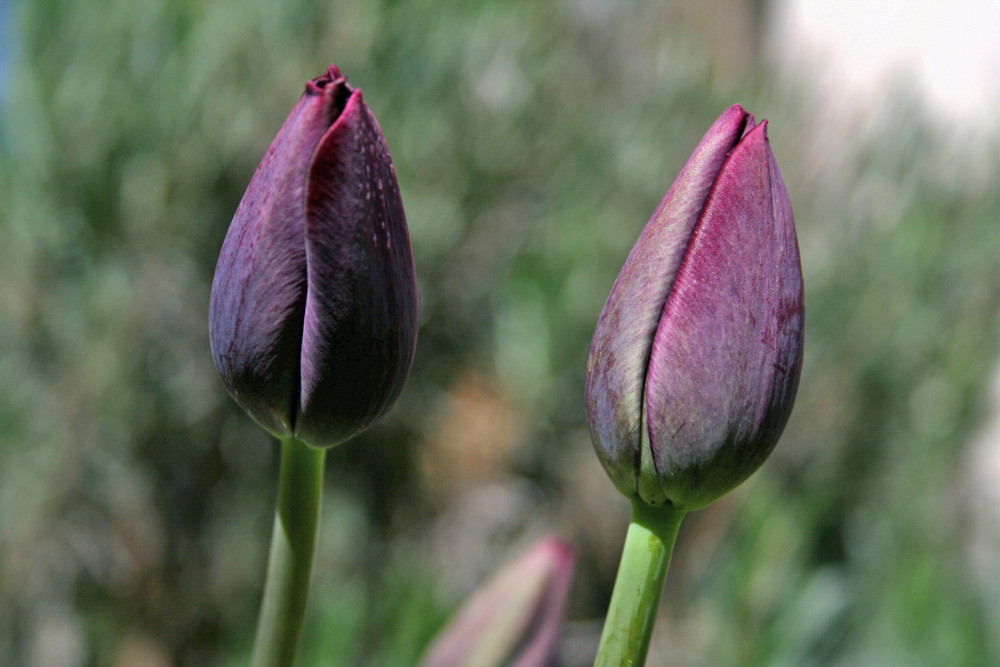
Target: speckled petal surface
[{"x": 361, "y": 316}]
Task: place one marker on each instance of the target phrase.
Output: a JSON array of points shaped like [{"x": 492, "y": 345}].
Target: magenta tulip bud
[
  {"x": 696, "y": 357},
  {"x": 313, "y": 315}
]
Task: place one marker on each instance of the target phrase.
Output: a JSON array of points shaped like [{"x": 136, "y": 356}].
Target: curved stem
[
  {"x": 632, "y": 612},
  {"x": 293, "y": 543}
]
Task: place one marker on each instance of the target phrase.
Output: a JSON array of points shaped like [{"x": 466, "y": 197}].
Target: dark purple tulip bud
[
  {"x": 313, "y": 316},
  {"x": 696, "y": 357}
]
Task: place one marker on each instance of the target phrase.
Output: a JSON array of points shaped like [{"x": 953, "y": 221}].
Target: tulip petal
[
  {"x": 360, "y": 320},
  {"x": 620, "y": 351},
  {"x": 259, "y": 289},
  {"x": 726, "y": 357}
]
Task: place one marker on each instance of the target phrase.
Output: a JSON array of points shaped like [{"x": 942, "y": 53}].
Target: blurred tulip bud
[
  {"x": 695, "y": 360},
  {"x": 515, "y": 618},
  {"x": 313, "y": 315}
]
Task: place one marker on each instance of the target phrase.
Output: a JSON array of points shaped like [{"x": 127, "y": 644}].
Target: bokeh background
[{"x": 532, "y": 141}]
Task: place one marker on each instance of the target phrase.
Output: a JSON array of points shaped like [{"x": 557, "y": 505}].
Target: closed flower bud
[
  {"x": 696, "y": 357},
  {"x": 313, "y": 315},
  {"x": 515, "y": 617}
]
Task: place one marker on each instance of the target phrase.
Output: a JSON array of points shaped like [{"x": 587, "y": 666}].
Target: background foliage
[{"x": 532, "y": 141}]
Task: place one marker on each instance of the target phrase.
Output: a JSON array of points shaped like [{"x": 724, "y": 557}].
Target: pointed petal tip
[
  {"x": 734, "y": 115},
  {"x": 561, "y": 551},
  {"x": 753, "y": 136},
  {"x": 750, "y": 122},
  {"x": 332, "y": 75},
  {"x": 734, "y": 123}
]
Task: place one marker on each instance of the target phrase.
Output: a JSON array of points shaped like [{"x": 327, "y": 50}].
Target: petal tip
[{"x": 332, "y": 75}]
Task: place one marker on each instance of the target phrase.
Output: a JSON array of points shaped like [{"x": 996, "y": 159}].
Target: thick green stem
[
  {"x": 293, "y": 543},
  {"x": 632, "y": 612}
]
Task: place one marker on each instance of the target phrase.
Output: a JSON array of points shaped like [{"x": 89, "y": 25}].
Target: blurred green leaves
[{"x": 531, "y": 141}]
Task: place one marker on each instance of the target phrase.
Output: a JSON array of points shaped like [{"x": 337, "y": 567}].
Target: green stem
[
  {"x": 293, "y": 543},
  {"x": 632, "y": 612}
]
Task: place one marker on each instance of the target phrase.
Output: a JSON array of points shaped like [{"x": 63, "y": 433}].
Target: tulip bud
[
  {"x": 695, "y": 360},
  {"x": 313, "y": 314},
  {"x": 515, "y": 617}
]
